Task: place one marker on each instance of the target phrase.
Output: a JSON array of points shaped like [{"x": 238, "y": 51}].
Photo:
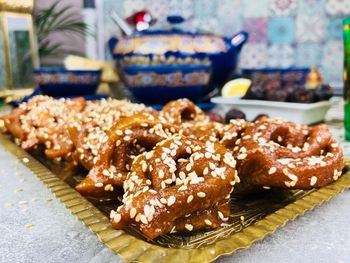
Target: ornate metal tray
[{"x": 251, "y": 220}]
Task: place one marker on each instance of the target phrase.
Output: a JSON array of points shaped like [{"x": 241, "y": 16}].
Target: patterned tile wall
[{"x": 283, "y": 33}]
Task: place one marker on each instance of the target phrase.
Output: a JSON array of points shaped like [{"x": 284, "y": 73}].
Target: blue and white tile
[
  {"x": 311, "y": 7},
  {"x": 229, "y": 17},
  {"x": 335, "y": 28},
  {"x": 205, "y": 24},
  {"x": 204, "y": 9},
  {"x": 310, "y": 28},
  {"x": 253, "y": 8},
  {"x": 159, "y": 9},
  {"x": 332, "y": 61},
  {"x": 280, "y": 55},
  {"x": 281, "y": 30},
  {"x": 338, "y": 7},
  {"x": 283, "y": 7},
  {"x": 308, "y": 54},
  {"x": 254, "y": 55}
]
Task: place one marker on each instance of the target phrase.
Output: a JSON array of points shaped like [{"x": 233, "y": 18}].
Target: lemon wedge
[{"x": 236, "y": 87}]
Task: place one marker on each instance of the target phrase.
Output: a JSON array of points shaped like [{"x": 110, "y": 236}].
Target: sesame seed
[
  {"x": 171, "y": 200},
  {"x": 201, "y": 194},
  {"x": 118, "y": 143},
  {"x": 117, "y": 217},
  {"x": 149, "y": 155},
  {"x": 189, "y": 199},
  {"x": 99, "y": 184},
  {"x": 144, "y": 219},
  {"x": 8, "y": 204},
  {"x": 163, "y": 201},
  {"x": 207, "y": 155},
  {"x": 242, "y": 156},
  {"x": 161, "y": 174},
  {"x": 189, "y": 227},
  {"x": 128, "y": 132},
  {"x": 144, "y": 167},
  {"x": 127, "y": 138},
  {"x": 28, "y": 225},
  {"x": 17, "y": 190},
  {"x": 208, "y": 222},
  {"x": 168, "y": 181},
  {"x": 272, "y": 170},
  {"x": 133, "y": 212},
  {"x": 221, "y": 215},
  {"x": 205, "y": 171},
  {"x": 105, "y": 172},
  {"x": 25, "y": 160},
  {"x": 137, "y": 218},
  {"x": 313, "y": 180},
  {"x": 183, "y": 188},
  {"x": 119, "y": 132},
  {"x": 212, "y": 166}
]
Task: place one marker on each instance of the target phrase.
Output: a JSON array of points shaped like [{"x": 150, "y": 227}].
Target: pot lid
[{"x": 174, "y": 38}]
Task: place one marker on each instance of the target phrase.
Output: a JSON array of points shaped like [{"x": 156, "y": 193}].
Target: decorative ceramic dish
[
  {"x": 304, "y": 113},
  {"x": 252, "y": 220},
  {"x": 164, "y": 83},
  {"x": 58, "y": 82},
  {"x": 144, "y": 50}
]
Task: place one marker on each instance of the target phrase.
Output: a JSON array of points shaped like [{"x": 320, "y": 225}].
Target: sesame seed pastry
[
  {"x": 177, "y": 167},
  {"x": 181, "y": 112},
  {"x": 42, "y": 122},
  {"x": 89, "y": 130},
  {"x": 128, "y": 138},
  {"x": 179, "y": 177},
  {"x": 275, "y": 153}
]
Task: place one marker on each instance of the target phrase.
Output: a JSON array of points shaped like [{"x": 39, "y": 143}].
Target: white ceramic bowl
[{"x": 303, "y": 113}]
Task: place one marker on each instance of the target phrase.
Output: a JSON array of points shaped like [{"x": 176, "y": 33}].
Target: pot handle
[
  {"x": 239, "y": 39},
  {"x": 112, "y": 43}
]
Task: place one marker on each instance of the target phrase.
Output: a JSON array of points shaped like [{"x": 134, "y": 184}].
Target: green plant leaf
[{"x": 57, "y": 19}]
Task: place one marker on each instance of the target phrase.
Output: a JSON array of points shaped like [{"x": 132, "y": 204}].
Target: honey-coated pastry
[
  {"x": 180, "y": 176},
  {"x": 89, "y": 129},
  {"x": 128, "y": 138},
  {"x": 176, "y": 166},
  {"x": 275, "y": 153},
  {"x": 182, "y": 111},
  {"x": 43, "y": 121}
]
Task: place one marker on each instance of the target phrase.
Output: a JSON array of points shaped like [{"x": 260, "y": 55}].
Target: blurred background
[{"x": 283, "y": 33}]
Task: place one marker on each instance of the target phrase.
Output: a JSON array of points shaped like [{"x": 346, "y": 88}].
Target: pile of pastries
[{"x": 177, "y": 168}]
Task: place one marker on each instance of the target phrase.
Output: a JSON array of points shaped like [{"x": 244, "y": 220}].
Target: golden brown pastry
[
  {"x": 179, "y": 177},
  {"x": 128, "y": 138},
  {"x": 283, "y": 154}
]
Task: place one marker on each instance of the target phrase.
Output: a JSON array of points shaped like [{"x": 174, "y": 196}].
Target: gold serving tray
[{"x": 262, "y": 216}]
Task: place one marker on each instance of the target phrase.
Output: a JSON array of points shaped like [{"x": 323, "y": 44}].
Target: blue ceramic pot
[
  {"x": 163, "y": 83},
  {"x": 154, "y": 53},
  {"x": 61, "y": 82}
]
